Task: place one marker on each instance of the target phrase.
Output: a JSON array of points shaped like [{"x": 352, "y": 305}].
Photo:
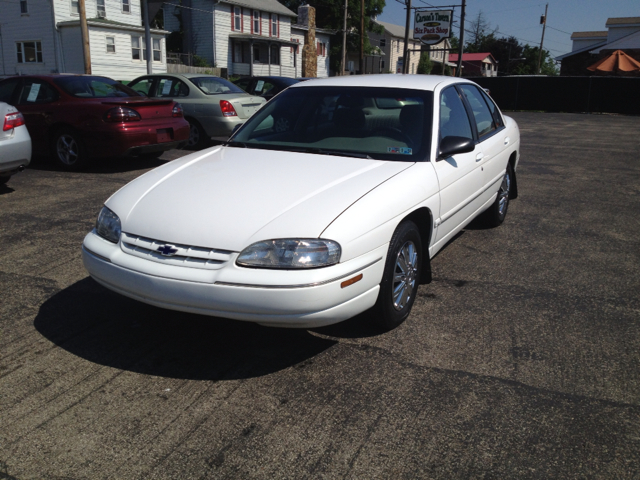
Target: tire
[
  {"x": 68, "y": 150},
  {"x": 4, "y": 180},
  {"x": 401, "y": 276},
  {"x": 197, "y": 136},
  {"x": 496, "y": 213}
]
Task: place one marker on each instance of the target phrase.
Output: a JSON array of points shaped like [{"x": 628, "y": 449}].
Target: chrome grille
[{"x": 186, "y": 256}]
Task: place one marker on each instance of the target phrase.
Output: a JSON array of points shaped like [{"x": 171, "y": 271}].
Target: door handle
[
  {"x": 507, "y": 140},
  {"x": 479, "y": 156}
]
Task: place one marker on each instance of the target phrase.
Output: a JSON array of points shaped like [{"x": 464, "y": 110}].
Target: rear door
[
  {"x": 492, "y": 139},
  {"x": 39, "y": 103},
  {"x": 459, "y": 176}
]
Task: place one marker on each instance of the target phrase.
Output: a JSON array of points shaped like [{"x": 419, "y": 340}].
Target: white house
[
  {"x": 247, "y": 37},
  {"x": 43, "y": 37}
]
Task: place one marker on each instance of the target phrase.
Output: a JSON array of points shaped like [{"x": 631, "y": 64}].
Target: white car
[
  {"x": 15, "y": 143},
  {"x": 329, "y": 201}
]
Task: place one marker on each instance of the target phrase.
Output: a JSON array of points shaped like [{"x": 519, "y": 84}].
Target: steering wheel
[{"x": 396, "y": 133}]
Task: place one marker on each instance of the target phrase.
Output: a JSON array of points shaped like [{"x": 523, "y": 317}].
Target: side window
[
  {"x": 244, "y": 83},
  {"x": 262, "y": 87},
  {"x": 481, "y": 112},
  {"x": 171, "y": 87},
  {"x": 142, "y": 86},
  {"x": 497, "y": 117},
  {"x": 454, "y": 121},
  {"x": 7, "y": 88},
  {"x": 37, "y": 91}
]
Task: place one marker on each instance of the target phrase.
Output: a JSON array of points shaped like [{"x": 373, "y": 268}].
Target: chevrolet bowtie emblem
[{"x": 167, "y": 250}]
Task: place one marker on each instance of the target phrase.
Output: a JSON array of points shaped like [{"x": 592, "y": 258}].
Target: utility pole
[
  {"x": 543, "y": 21},
  {"x": 84, "y": 33},
  {"x": 147, "y": 37},
  {"x": 405, "y": 53},
  {"x": 461, "y": 48},
  {"x": 362, "y": 37},
  {"x": 344, "y": 40}
]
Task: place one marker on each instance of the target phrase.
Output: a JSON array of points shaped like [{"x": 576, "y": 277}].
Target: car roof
[{"x": 417, "y": 82}]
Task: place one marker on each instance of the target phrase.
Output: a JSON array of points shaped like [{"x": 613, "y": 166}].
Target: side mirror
[{"x": 453, "y": 145}]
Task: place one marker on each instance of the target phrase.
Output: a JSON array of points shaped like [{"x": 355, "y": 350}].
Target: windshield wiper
[
  {"x": 338, "y": 153},
  {"x": 233, "y": 143}
]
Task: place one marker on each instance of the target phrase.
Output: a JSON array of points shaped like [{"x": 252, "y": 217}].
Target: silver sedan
[
  {"x": 15, "y": 143},
  {"x": 212, "y": 105}
]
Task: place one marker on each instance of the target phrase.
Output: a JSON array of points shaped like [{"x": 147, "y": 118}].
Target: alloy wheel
[
  {"x": 67, "y": 149},
  {"x": 404, "y": 275}
]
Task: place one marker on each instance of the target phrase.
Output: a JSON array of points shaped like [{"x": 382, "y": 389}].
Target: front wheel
[
  {"x": 68, "y": 150},
  {"x": 401, "y": 276},
  {"x": 496, "y": 213}
]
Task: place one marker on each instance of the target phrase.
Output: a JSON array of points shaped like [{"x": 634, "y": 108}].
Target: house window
[
  {"x": 126, "y": 6},
  {"x": 274, "y": 25},
  {"x": 29, "y": 52},
  {"x": 398, "y": 46},
  {"x": 135, "y": 48},
  {"x": 382, "y": 65},
  {"x": 256, "y": 54},
  {"x": 75, "y": 7},
  {"x": 383, "y": 42},
  {"x": 24, "y": 9},
  {"x": 236, "y": 23},
  {"x": 275, "y": 55},
  {"x": 101, "y": 10},
  {"x": 256, "y": 22},
  {"x": 237, "y": 53},
  {"x": 156, "y": 50},
  {"x": 111, "y": 44}
]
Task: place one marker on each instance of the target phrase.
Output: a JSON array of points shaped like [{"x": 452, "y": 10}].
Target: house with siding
[
  {"x": 389, "y": 51},
  {"x": 622, "y": 33},
  {"x": 246, "y": 37},
  {"x": 43, "y": 37}
]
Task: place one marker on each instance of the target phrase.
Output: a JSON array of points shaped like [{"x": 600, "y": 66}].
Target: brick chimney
[{"x": 307, "y": 17}]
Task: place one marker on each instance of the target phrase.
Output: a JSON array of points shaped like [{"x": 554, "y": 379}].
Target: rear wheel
[
  {"x": 197, "y": 136},
  {"x": 68, "y": 150},
  {"x": 496, "y": 213},
  {"x": 401, "y": 276}
]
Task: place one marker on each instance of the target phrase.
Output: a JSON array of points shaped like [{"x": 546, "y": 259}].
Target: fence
[
  {"x": 179, "y": 68},
  {"x": 565, "y": 94}
]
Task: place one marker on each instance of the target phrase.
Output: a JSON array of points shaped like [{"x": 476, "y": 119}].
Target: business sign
[{"x": 431, "y": 27}]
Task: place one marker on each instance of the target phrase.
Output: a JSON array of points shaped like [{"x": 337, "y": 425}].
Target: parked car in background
[
  {"x": 15, "y": 143},
  {"x": 79, "y": 117},
  {"x": 212, "y": 105},
  {"x": 308, "y": 225},
  {"x": 266, "y": 87}
]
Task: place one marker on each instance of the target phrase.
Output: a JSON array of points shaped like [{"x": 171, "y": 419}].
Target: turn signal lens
[
  {"x": 177, "y": 111},
  {"x": 122, "y": 114},
  {"x": 12, "y": 120},
  {"x": 351, "y": 281},
  {"x": 227, "y": 109}
]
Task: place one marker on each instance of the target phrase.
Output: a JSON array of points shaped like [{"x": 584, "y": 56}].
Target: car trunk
[
  {"x": 244, "y": 105},
  {"x": 149, "y": 109}
]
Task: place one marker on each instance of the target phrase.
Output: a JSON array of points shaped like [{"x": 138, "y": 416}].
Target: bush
[{"x": 424, "y": 65}]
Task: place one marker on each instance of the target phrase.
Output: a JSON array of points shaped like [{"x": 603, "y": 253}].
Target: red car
[{"x": 78, "y": 117}]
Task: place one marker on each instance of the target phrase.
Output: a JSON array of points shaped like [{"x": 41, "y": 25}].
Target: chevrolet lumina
[{"x": 327, "y": 202}]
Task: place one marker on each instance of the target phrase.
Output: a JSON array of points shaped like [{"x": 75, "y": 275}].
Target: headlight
[
  {"x": 108, "y": 225},
  {"x": 290, "y": 253}
]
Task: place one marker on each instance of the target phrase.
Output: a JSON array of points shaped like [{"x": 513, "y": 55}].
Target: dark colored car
[
  {"x": 266, "y": 87},
  {"x": 78, "y": 117}
]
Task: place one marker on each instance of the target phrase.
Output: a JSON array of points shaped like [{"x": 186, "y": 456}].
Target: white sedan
[
  {"x": 15, "y": 143},
  {"x": 329, "y": 201}
]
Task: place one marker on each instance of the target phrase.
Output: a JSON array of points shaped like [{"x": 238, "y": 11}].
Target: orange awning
[{"x": 618, "y": 61}]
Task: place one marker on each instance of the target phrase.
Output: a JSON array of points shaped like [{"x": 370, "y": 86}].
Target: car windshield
[
  {"x": 378, "y": 123},
  {"x": 94, "y": 87},
  {"x": 215, "y": 85}
]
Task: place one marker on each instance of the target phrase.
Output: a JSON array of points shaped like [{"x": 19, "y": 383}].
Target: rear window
[
  {"x": 215, "y": 85},
  {"x": 94, "y": 87}
]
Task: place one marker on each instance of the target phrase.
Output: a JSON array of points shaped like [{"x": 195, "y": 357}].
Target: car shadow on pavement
[
  {"x": 5, "y": 189},
  {"x": 102, "y": 165},
  {"x": 103, "y": 327}
]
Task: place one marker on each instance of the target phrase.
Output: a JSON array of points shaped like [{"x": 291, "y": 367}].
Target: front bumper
[{"x": 295, "y": 299}]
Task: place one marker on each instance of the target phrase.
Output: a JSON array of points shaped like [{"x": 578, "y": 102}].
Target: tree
[
  {"x": 330, "y": 15},
  {"x": 424, "y": 64},
  {"x": 478, "y": 29},
  {"x": 529, "y": 64}
]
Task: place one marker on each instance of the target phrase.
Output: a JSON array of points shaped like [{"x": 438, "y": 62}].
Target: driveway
[{"x": 520, "y": 360}]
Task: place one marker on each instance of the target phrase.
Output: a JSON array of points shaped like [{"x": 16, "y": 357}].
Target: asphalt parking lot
[{"x": 520, "y": 360}]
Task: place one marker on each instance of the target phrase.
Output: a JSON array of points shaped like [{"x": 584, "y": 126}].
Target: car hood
[{"x": 228, "y": 198}]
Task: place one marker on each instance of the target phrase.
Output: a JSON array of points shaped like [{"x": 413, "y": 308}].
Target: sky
[{"x": 521, "y": 18}]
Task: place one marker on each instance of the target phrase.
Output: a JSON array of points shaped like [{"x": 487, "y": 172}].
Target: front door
[{"x": 38, "y": 101}]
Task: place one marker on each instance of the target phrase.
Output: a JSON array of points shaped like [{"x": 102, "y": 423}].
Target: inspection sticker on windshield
[{"x": 399, "y": 150}]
